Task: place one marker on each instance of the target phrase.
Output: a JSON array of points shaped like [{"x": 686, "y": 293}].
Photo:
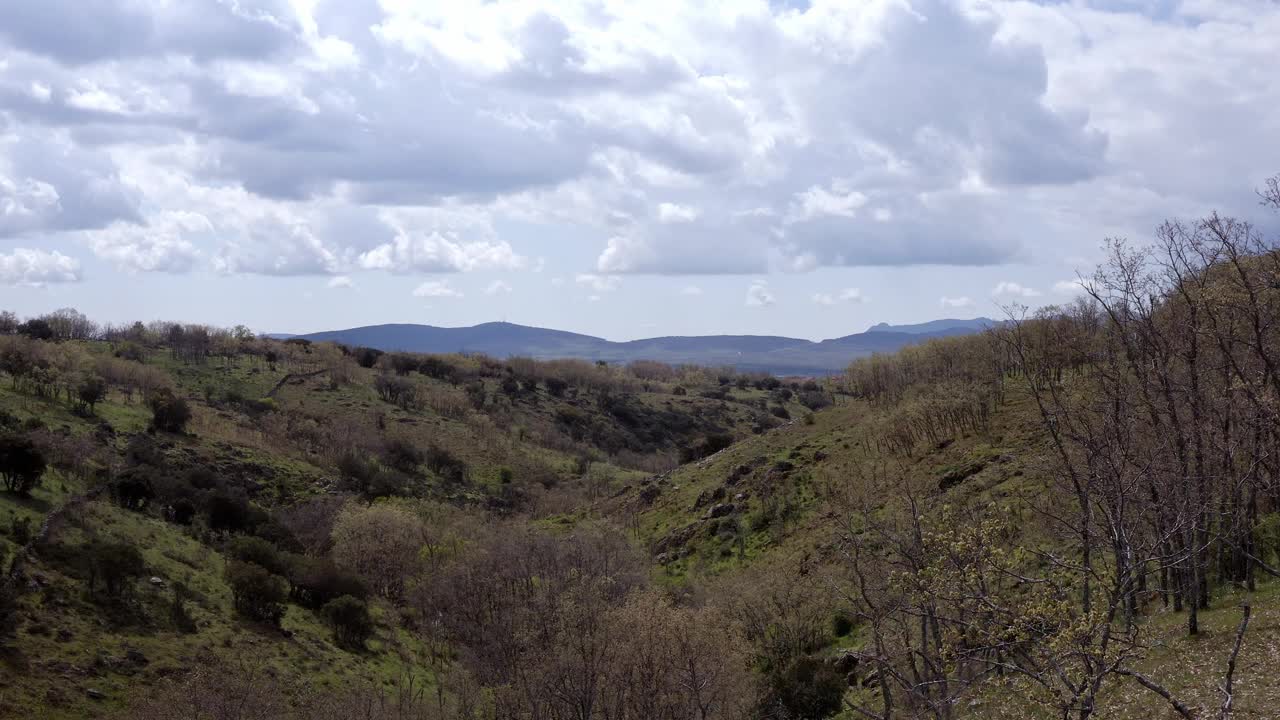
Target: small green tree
[
  {"x": 91, "y": 391},
  {"x": 169, "y": 413},
  {"x": 21, "y": 463},
  {"x": 350, "y": 620},
  {"x": 258, "y": 594},
  {"x": 113, "y": 567}
]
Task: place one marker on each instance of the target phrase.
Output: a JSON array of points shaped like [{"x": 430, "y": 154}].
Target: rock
[
  {"x": 704, "y": 497},
  {"x": 845, "y": 663},
  {"x": 740, "y": 497},
  {"x": 720, "y": 510},
  {"x": 95, "y": 694},
  {"x": 157, "y": 581}
]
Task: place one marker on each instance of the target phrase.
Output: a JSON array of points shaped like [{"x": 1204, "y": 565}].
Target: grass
[{"x": 68, "y": 645}]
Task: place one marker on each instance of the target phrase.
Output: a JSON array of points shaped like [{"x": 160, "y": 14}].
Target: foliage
[
  {"x": 349, "y": 617},
  {"x": 259, "y": 595},
  {"x": 22, "y": 464}
]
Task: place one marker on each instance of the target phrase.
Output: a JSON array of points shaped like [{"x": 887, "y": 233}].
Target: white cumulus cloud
[
  {"x": 436, "y": 289},
  {"x": 759, "y": 295},
  {"x": 24, "y": 266},
  {"x": 1007, "y": 288}
]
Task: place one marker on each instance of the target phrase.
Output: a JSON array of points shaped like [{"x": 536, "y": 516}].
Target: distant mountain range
[{"x": 780, "y": 355}]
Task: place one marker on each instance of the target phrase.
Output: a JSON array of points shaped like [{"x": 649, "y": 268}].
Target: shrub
[
  {"x": 380, "y": 544},
  {"x": 133, "y": 489},
  {"x": 445, "y": 464},
  {"x": 841, "y": 624},
  {"x": 350, "y": 620},
  {"x": 91, "y": 391},
  {"x": 396, "y": 390},
  {"x": 401, "y": 454},
  {"x": 231, "y": 513},
  {"x": 437, "y": 368},
  {"x": 367, "y": 357},
  {"x": 259, "y": 595},
  {"x": 809, "y": 688},
  {"x": 22, "y": 464},
  {"x": 37, "y": 329},
  {"x": 316, "y": 581},
  {"x": 259, "y": 552},
  {"x": 169, "y": 413},
  {"x": 178, "y": 613},
  {"x": 113, "y": 565},
  {"x": 556, "y": 386},
  {"x": 814, "y": 399}
]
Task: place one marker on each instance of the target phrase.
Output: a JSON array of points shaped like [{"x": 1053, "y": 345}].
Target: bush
[
  {"x": 809, "y": 688},
  {"x": 350, "y": 620},
  {"x": 814, "y": 399},
  {"x": 178, "y": 613},
  {"x": 556, "y": 387},
  {"x": 259, "y": 552},
  {"x": 317, "y": 581},
  {"x": 91, "y": 391},
  {"x": 22, "y": 464},
  {"x": 113, "y": 565},
  {"x": 169, "y": 413},
  {"x": 367, "y": 357},
  {"x": 231, "y": 513},
  {"x": 36, "y": 329},
  {"x": 133, "y": 489},
  {"x": 401, "y": 454},
  {"x": 445, "y": 464},
  {"x": 259, "y": 595}
]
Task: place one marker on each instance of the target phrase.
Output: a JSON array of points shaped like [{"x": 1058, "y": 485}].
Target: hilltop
[{"x": 752, "y": 353}]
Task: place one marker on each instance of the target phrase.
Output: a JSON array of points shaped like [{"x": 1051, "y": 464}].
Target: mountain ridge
[{"x": 769, "y": 353}]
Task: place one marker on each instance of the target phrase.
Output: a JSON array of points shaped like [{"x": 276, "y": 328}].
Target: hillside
[
  {"x": 280, "y": 435},
  {"x": 748, "y": 353},
  {"x": 1070, "y": 514}
]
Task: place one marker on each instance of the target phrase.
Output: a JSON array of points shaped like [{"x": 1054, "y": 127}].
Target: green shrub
[
  {"x": 111, "y": 566},
  {"x": 349, "y": 617},
  {"x": 259, "y": 552},
  {"x": 259, "y": 595},
  {"x": 22, "y": 465},
  {"x": 169, "y": 413}
]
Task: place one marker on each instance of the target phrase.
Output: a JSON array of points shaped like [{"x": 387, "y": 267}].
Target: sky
[{"x": 625, "y": 169}]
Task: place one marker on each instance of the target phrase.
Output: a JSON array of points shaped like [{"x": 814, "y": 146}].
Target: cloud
[
  {"x": 1013, "y": 289},
  {"x": 848, "y": 295},
  {"x": 430, "y": 243},
  {"x": 341, "y": 282},
  {"x": 85, "y": 31},
  {"x": 35, "y": 268},
  {"x": 166, "y": 244},
  {"x": 436, "y": 289},
  {"x": 672, "y": 213},
  {"x": 840, "y": 201},
  {"x": 758, "y": 295},
  {"x": 745, "y": 138},
  {"x": 1068, "y": 287},
  {"x": 691, "y": 291},
  {"x": 599, "y": 283},
  {"x": 498, "y": 287},
  {"x": 956, "y": 303}
]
